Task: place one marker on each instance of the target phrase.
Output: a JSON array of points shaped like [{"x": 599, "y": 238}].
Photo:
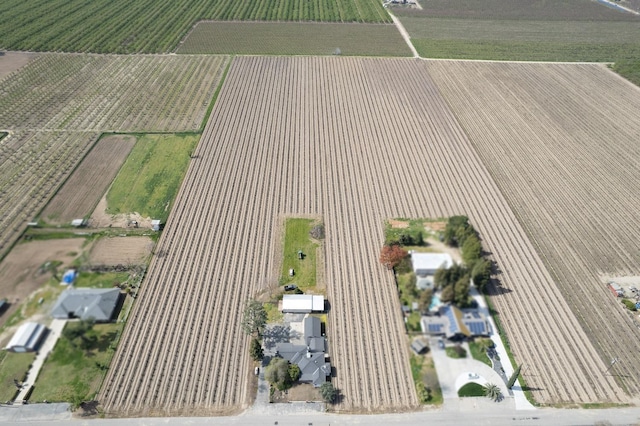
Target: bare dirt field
[
  {"x": 20, "y": 273},
  {"x": 572, "y": 176},
  {"x": 114, "y": 251},
  {"x": 12, "y": 61},
  {"x": 346, "y": 139},
  {"x": 81, "y": 192}
]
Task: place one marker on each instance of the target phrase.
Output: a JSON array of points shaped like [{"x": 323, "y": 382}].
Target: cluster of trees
[
  {"x": 460, "y": 233},
  {"x": 253, "y": 323},
  {"x": 281, "y": 374}
]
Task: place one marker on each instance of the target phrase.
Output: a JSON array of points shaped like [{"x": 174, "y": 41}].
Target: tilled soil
[{"x": 357, "y": 141}]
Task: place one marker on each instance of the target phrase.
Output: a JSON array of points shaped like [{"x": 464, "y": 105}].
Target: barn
[{"x": 27, "y": 338}]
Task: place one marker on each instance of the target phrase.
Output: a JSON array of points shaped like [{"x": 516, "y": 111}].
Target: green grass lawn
[
  {"x": 413, "y": 321},
  {"x": 455, "y": 352},
  {"x": 295, "y": 38},
  {"x": 478, "y": 354},
  {"x": 74, "y": 375},
  {"x": 426, "y": 379},
  {"x": 100, "y": 280},
  {"x": 13, "y": 366},
  {"x": 273, "y": 314},
  {"x": 471, "y": 389},
  {"x": 297, "y": 238},
  {"x": 150, "y": 178}
]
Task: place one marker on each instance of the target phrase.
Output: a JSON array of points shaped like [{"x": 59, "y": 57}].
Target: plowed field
[
  {"x": 570, "y": 134},
  {"x": 347, "y": 139},
  {"x": 81, "y": 192}
]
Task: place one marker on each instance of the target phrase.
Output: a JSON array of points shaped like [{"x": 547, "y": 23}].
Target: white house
[
  {"x": 425, "y": 266},
  {"x": 27, "y": 338}
]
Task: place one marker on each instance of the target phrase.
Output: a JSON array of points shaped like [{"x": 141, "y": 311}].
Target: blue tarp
[{"x": 69, "y": 276}]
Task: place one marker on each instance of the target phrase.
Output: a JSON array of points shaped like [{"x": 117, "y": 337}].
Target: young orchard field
[
  {"x": 55, "y": 107},
  {"x": 110, "y": 93},
  {"x": 152, "y": 26},
  {"x": 345, "y": 139},
  {"x": 32, "y": 167},
  {"x": 570, "y": 134}
]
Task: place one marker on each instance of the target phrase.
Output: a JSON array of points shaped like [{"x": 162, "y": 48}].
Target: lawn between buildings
[
  {"x": 72, "y": 374},
  {"x": 149, "y": 180},
  {"x": 294, "y": 38}
]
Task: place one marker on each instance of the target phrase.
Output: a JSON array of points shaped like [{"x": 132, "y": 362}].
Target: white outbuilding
[
  {"x": 27, "y": 338},
  {"x": 302, "y": 303}
]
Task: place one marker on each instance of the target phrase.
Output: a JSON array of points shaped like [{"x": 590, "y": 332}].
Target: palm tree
[{"x": 493, "y": 392}]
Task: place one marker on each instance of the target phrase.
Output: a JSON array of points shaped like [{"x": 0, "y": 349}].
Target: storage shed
[
  {"x": 27, "y": 338},
  {"x": 302, "y": 303}
]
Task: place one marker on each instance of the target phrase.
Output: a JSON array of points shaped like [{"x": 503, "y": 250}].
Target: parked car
[
  {"x": 257, "y": 371},
  {"x": 473, "y": 376},
  {"x": 290, "y": 287},
  {"x": 441, "y": 344}
]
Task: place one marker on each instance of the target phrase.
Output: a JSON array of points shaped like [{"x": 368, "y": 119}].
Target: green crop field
[
  {"x": 152, "y": 26},
  {"x": 524, "y": 40},
  {"x": 525, "y": 30},
  {"x": 294, "y": 38},
  {"x": 150, "y": 178}
]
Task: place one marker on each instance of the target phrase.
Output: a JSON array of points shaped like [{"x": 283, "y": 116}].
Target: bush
[
  {"x": 255, "y": 350},
  {"x": 328, "y": 392},
  {"x": 405, "y": 266},
  {"x": 629, "y": 304},
  {"x": 424, "y": 393}
]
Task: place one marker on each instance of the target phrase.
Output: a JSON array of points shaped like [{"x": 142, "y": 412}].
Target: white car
[{"x": 473, "y": 376}]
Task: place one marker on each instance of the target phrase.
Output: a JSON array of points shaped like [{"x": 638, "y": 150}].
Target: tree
[
  {"x": 255, "y": 350},
  {"x": 294, "y": 372},
  {"x": 493, "y": 392},
  {"x": 481, "y": 273},
  {"x": 471, "y": 250},
  {"x": 255, "y": 318},
  {"x": 79, "y": 331},
  {"x": 461, "y": 291},
  {"x": 444, "y": 277},
  {"x": 447, "y": 294},
  {"x": 277, "y": 373},
  {"x": 328, "y": 392},
  {"x": 425, "y": 300},
  {"x": 514, "y": 377},
  {"x": 391, "y": 256}
]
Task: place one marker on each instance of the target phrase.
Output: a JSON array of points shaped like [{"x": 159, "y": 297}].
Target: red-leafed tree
[{"x": 391, "y": 256}]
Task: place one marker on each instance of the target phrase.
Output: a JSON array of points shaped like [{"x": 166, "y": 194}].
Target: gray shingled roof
[
  {"x": 98, "y": 304},
  {"x": 310, "y": 358}
]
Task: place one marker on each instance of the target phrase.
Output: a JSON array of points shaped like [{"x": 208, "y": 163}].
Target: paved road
[{"x": 476, "y": 411}]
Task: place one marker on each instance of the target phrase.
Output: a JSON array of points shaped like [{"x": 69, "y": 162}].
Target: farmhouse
[
  {"x": 310, "y": 357},
  {"x": 98, "y": 304},
  {"x": 454, "y": 323},
  {"x": 425, "y": 266},
  {"x": 27, "y": 338},
  {"x": 302, "y": 303}
]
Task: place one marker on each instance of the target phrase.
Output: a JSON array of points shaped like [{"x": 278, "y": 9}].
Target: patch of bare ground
[
  {"x": 101, "y": 219},
  {"x": 347, "y": 139},
  {"x": 112, "y": 251},
  {"x": 299, "y": 392},
  {"x": 561, "y": 142},
  {"x": 21, "y": 273},
  {"x": 13, "y": 61},
  {"x": 81, "y": 192}
]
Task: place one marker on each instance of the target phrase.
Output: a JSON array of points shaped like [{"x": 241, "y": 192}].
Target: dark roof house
[
  {"x": 456, "y": 323},
  {"x": 98, "y": 304},
  {"x": 310, "y": 358}
]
